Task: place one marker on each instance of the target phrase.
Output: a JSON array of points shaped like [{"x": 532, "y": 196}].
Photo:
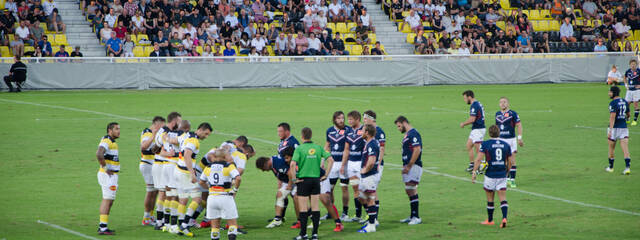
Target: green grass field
[{"x": 49, "y": 139}]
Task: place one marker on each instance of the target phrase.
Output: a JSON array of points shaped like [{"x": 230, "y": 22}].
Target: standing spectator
[
  {"x": 55, "y": 22},
  {"x": 48, "y": 6},
  {"x": 600, "y": 47},
  {"x": 377, "y": 50},
  {"x": 127, "y": 47},
  {"x": 76, "y": 52},
  {"x": 114, "y": 46},
  {"x": 566, "y": 31},
  {"x": 524, "y": 43},
  {"x": 45, "y": 46},
  {"x": 281, "y": 45},
  {"x": 17, "y": 74},
  {"x": 61, "y": 52},
  {"x": 228, "y": 51}
]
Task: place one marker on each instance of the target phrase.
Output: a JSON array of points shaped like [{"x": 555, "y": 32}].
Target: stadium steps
[
  {"x": 386, "y": 31},
  {"x": 79, "y": 33}
]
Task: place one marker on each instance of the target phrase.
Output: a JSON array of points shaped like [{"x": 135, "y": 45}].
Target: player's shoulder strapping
[{"x": 146, "y": 130}]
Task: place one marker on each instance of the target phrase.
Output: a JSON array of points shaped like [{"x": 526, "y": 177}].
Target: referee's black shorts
[{"x": 308, "y": 187}]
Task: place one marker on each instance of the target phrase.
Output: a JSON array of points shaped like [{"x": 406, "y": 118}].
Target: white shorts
[
  {"x": 353, "y": 169},
  {"x": 284, "y": 186},
  {"x": 513, "y": 143},
  {"x": 184, "y": 185},
  {"x": 109, "y": 185},
  {"x": 494, "y": 184},
  {"x": 147, "y": 173},
  {"x": 414, "y": 175},
  {"x": 379, "y": 175},
  {"x": 157, "y": 171},
  {"x": 167, "y": 174},
  {"x": 632, "y": 96},
  {"x": 369, "y": 184},
  {"x": 335, "y": 171},
  {"x": 221, "y": 207},
  {"x": 325, "y": 186},
  {"x": 477, "y": 135},
  {"x": 619, "y": 133}
]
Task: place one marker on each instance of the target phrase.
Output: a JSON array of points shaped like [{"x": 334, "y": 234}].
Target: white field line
[
  {"x": 340, "y": 98},
  {"x": 468, "y": 179},
  {"x": 602, "y": 129},
  {"x": 391, "y": 164},
  {"x": 66, "y": 230}
]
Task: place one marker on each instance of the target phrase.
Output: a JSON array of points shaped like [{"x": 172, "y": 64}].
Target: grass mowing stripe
[
  {"x": 531, "y": 193},
  {"x": 66, "y": 230}
]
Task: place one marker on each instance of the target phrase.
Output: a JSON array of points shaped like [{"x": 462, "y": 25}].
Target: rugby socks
[
  {"x": 358, "y": 205},
  {"x": 635, "y": 115},
  {"x": 611, "y": 162},
  {"x": 345, "y": 210},
  {"x": 505, "y": 208},
  {"x": 182, "y": 210},
  {"x": 104, "y": 220},
  {"x": 627, "y": 162},
  {"x": 371, "y": 211},
  {"x": 303, "y": 222},
  {"x": 512, "y": 172},
  {"x": 147, "y": 215},
  {"x": 159, "y": 212},
  {"x": 167, "y": 211},
  {"x": 414, "y": 202},
  {"x": 490, "y": 209},
  {"x": 233, "y": 232},
  {"x": 191, "y": 211},
  {"x": 284, "y": 209},
  {"x": 377, "y": 208},
  {"x": 335, "y": 210},
  {"x": 315, "y": 219},
  {"x": 215, "y": 233},
  {"x": 471, "y": 165},
  {"x": 174, "y": 212},
  {"x": 199, "y": 210}
]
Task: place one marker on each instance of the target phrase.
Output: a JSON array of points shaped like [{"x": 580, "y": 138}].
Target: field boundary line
[
  {"x": 391, "y": 164},
  {"x": 66, "y": 230},
  {"x": 468, "y": 179}
]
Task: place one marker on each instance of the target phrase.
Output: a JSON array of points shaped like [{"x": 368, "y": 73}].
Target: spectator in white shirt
[
  {"x": 11, "y": 6},
  {"x": 281, "y": 45},
  {"x": 259, "y": 43},
  {"x": 365, "y": 18},
  {"x": 336, "y": 12},
  {"x": 566, "y": 31},
  {"x": 622, "y": 29},
  {"x": 614, "y": 77},
  {"x": 187, "y": 42},
  {"x": 441, "y": 8},
  {"x": 464, "y": 50},
  {"x": 314, "y": 45},
  {"x": 138, "y": 23},
  {"x": 231, "y": 19},
  {"x": 22, "y": 36},
  {"x": 413, "y": 20},
  {"x": 111, "y": 18},
  {"x": 590, "y": 9},
  {"x": 460, "y": 18},
  {"x": 48, "y": 6}
]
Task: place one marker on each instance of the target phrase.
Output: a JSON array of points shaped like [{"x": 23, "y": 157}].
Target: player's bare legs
[
  {"x": 612, "y": 149},
  {"x": 356, "y": 200},
  {"x": 345, "y": 200},
  {"x": 150, "y": 199},
  {"x": 504, "y": 206},
  {"x": 472, "y": 152},
  {"x": 624, "y": 144}
]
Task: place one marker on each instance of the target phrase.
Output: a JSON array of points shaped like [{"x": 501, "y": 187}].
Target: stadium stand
[{"x": 498, "y": 26}]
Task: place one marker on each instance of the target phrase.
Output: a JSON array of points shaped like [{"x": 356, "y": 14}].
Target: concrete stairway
[
  {"x": 386, "y": 31},
  {"x": 79, "y": 33}
]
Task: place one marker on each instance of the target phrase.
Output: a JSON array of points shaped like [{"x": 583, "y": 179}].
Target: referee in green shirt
[{"x": 305, "y": 171}]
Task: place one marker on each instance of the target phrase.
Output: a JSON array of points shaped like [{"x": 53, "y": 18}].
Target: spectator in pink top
[
  {"x": 301, "y": 41},
  {"x": 258, "y": 10}
]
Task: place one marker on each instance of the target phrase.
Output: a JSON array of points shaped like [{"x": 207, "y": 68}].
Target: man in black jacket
[{"x": 18, "y": 74}]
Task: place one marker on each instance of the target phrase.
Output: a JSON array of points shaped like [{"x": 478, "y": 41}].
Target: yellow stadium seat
[
  {"x": 61, "y": 39},
  {"x": 579, "y": 23},
  {"x": 52, "y": 38},
  {"x": 526, "y": 12},
  {"x": 405, "y": 14},
  {"x": 5, "y": 52},
  {"x": 199, "y": 49},
  {"x": 147, "y": 51},
  {"x": 406, "y": 29},
  {"x": 134, "y": 39},
  {"x": 373, "y": 37},
  {"x": 351, "y": 26},
  {"x": 143, "y": 36},
  {"x": 545, "y": 14},
  {"x": 505, "y": 4},
  {"x": 535, "y": 15},
  {"x": 636, "y": 34},
  {"x": 29, "y": 49},
  {"x": 536, "y": 26},
  {"x": 270, "y": 50},
  {"x": 120, "y": 60},
  {"x": 349, "y": 35},
  {"x": 331, "y": 26},
  {"x": 578, "y": 13},
  {"x": 13, "y": 37},
  {"x": 9, "y": 61},
  {"x": 356, "y": 50},
  {"x": 411, "y": 38},
  {"x": 543, "y": 25},
  {"x": 554, "y": 25},
  {"x": 138, "y": 51},
  {"x": 341, "y": 27}
]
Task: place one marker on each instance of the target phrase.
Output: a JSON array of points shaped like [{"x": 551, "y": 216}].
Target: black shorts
[{"x": 308, "y": 187}]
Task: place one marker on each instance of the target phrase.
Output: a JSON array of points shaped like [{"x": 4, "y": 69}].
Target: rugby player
[
  {"x": 619, "y": 112},
  {"x": 336, "y": 139},
  {"x": 146, "y": 166},
  {"x": 369, "y": 173},
  {"x": 223, "y": 180},
  {"x": 286, "y": 140},
  {"x": 411, "y": 166},
  {"x": 476, "y": 119},
  {"x": 370, "y": 119},
  {"x": 632, "y": 82},
  {"x": 163, "y": 203},
  {"x": 498, "y": 158},
  {"x": 351, "y": 160},
  {"x": 107, "y": 156},
  {"x": 509, "y": 121},
  {"x": 280, "y": 168},
  {"x": 305, "y": 172}
]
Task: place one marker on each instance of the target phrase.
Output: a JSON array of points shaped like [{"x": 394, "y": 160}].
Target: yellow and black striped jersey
[
  {"x": 146, "y": 155},
  {"x": 239, "y": 158},
  {"x": 188, "y": 140},
  {"x": 173, "y": 147},
  {"x": 110, "y": 154},
  {"x": 219, "y": 177},
  {"x": 205, "y": 161},
  {"x": 159, "y": 142}
]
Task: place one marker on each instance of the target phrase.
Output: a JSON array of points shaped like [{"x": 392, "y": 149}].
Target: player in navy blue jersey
[
  {"x": 476, "y": 119},
  {"x": 412, "y": 166},
  {"x": 497, "y": 154},
  {"x": 286, "y": 140},
  {"x": 370, "y": 119},
  {"x": 369, "y": 174},
  {"x": 618, "y": 114},
  {"x": 632, "y": 82},
  {"x": 352, "y": 158},
  {"x": 509, "y": 121},
  {"x": 280, "y": 168},
  {"x": 336, "y": 139}
]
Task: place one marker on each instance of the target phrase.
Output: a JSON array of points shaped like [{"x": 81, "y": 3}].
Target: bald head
[{"x": 185, "y": 125}]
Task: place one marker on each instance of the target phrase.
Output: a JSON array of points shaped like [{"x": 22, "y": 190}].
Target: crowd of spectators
[
  {"x": 229, "y": 28},
  {"x": 473, "y": 26},
  {"x": 23, "y": 23}
]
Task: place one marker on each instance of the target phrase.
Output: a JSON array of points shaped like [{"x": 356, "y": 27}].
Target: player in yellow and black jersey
[
  {"x": 146, "y": 167},
  {"x": 107, "y": 156}
]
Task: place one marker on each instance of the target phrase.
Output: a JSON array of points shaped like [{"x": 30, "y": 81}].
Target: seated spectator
[
  {"x": 615, "y": 47},
  {"x": 315, "y": 46},
  {"x": 413, "y": 20},
  {"x": 326, "y": 41},
  {"x": 127, "y": 47},
  {"x": 420, "y": 43},
  {"x": 137, "y": 26},
  {"x": 566, "y": 32},
  {"x": 258, "y": 10},
  {"x": 114, "y": 46},
  {"x": 524, "y": 43},
  {"x": 281, "y": 45},
  {"x": 36, "y": 31},
  {"x": 111, "y": 18},
  {"x": 187, "y": 42},
  {"x": 76, "y": 52},
  {"x": 105, "y": 33},
  {"x": 207, "y": 51},
  {"x": 244, "y": 44},
  {"x": 229, "y": 51},
  {"x": 288, "y": 25},
  {"x": 600, "y": 47},
  {"x": 54, "y": 22},
  {"x": 120, "y": 31},
  {"x": 253, "y": 54},
  {"x": 362, "y": 34},
  {"x": 336, "y": 12},
  {"x": 49, "y": 6},
  {"x": 396, "y": 10},
  {"x": 377, "y": 50},
  {"x": 22, "y": 36},
  {"x": 542, "y": 45},
  {"x": 291, "y": 44},
  {"x": 365, "y": 51},
  {"x": 156, "y": 51},
  {"x": 622, "y": 29},
  {"x": 91, "y": 10},
  {"x": 260, "y": 43},
  {"x": 45, "y": 46},
  {"x": 61, "y": 52},
  {"x": 181, "y": 52},
  {"x": 590, "y": 10},
  {"x": 272, "y": 34},
  {"x": 217, "y": 52},
  {"x": 614, "y": 77},
  {"x": 302, "y": 42},
  {"x": 193, "y": 53},
  {"x": 464, "y": 49},
  {"x": 163, "y": 43},
  {"x": 338, "y": 44}
]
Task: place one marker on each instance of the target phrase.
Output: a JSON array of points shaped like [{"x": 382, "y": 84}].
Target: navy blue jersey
[
  {"x": 477, "y": 110},
  {"x": 291, "y": 141},
  {"x": 496, "y": 153},
  {"x": 620, "y": 107},
  {"x": 411, "y": 140},
  {"x": 356, "y": 143},
  {"x": 371, "y": 148},
  {"x": 382, "y": 139},
  {"x": 633, "y": 78},
  {"x": 337, "y": 138},
  {"x": 280, "y": 168},
  {"x": 507, "y": 122}
]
